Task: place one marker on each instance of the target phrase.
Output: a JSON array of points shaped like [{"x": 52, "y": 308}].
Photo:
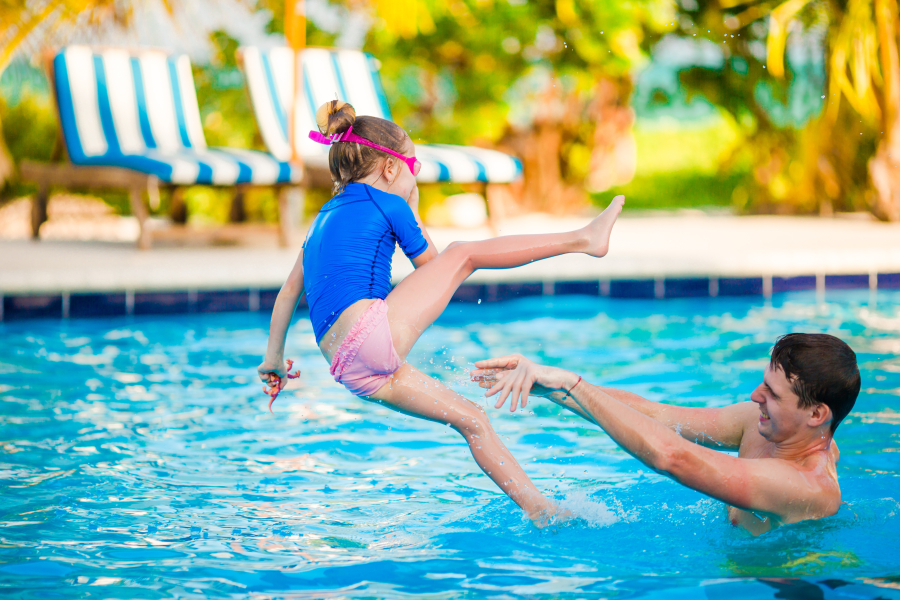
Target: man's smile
[{"x": 763, "y": 414}]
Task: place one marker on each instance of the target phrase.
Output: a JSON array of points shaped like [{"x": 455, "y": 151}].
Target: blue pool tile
[
  {"x": 267, "y": 300},
  {"x": 97, "y": 305},
  {"x": 223, "y": 301},
  {"x": 470, "y": 293},
  {"x": 846, "y": 282},
  {"x": 687, "y": 288},
  {"x": 511, "y": 291},
  {"x": 161, "y": 303},
  {"x": 889, "y": 281},
  {"x": 793, "y": 284},
  {"x": 632, "y": 288},
  {"x": 583, "y": 288},
  {"x": 32, "y": 307},
  {"x": 741, "y": 286}
]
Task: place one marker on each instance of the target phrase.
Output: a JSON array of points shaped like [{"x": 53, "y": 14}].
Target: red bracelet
[{"x": 568, "y": 393}]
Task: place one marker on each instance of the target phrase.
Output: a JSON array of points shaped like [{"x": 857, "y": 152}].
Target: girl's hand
[
  {"x": 273, "y": 373},
  {"x": 517, "y": 377},
  {"x": 413, "y": 199},
  {"x": 268, "y": 372}
]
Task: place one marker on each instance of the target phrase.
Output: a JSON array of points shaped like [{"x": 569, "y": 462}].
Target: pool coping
[{"x": 66, "y": 305}]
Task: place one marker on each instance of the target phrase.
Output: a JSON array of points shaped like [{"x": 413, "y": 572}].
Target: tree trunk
[
  {"x": 545, "y": 187},
  {"x": 884, "y": 167},
  {"x": 561, "y": 121},
  {"x": 614, "y": 155}
]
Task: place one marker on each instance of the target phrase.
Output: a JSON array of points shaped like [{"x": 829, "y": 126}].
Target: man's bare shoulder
[
  {"x": 820, "y": 472},
  {"x": 805, "y": 488}
]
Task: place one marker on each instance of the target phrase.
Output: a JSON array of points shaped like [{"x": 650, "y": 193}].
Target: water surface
[{"x": 137, "y": 460}]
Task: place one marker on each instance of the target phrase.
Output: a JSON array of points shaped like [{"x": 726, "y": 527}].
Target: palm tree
[
  {"x": 863, "y": 59},
  {"x": 19, "y": 19}
]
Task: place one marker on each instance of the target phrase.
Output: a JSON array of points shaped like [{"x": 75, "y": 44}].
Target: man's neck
[{"x": 798, "y": 449}]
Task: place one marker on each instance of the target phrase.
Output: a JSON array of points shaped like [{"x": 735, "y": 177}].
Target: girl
[{"x": 364, "y": 329}]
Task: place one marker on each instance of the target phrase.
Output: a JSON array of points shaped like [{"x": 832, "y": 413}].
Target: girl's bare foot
[{"x": 599, "y": 230}]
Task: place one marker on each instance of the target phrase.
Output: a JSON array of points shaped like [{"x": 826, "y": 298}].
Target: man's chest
[
  {"x": 753, "y": 446},
  {"x": 749, "y": 521}
]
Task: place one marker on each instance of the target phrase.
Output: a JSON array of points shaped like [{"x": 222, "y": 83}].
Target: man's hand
[{"x": 517, "y": 377}]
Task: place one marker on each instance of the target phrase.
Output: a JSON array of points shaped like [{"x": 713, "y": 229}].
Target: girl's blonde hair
[{"x": 349, "y": 161}]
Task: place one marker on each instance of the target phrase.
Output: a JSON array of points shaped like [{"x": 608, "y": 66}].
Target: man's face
[{"x": 780, "y": 416}]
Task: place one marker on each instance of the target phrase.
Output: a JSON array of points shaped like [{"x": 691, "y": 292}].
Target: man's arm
[
  {"x": 715, "y": 427},
  {"x": 766, "y": 486}
]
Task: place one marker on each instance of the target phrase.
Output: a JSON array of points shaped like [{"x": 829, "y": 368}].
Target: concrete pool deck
[{"x": 648, "y": 249}]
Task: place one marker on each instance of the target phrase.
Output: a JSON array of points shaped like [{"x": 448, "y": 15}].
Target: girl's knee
[
  {"x": 459, "y": 250},
  {"x": 473, "y": 420}
]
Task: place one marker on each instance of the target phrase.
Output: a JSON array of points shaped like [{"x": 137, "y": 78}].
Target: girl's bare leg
[
  {"x": 421, "y": 298},
  {"x": 414, "y": 393}
]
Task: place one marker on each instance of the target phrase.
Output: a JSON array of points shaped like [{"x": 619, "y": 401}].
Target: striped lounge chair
[
  {"x": 129, "y": 118},
  {"x": 352, "y": 76}
]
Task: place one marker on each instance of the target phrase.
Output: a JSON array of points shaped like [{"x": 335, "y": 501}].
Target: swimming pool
[{"x": 138, "y": 461}]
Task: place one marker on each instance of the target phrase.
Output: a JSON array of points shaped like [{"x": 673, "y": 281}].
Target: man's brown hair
[{"x": 822, "y": 369}]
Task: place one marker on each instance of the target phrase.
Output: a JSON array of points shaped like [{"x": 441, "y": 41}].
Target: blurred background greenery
[{"x": 727, "y": 105}]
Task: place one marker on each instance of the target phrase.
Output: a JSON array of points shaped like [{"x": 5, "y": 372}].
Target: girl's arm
[
  {"x": 273, "y": 365},
  {"x": 431, "y": 251}
]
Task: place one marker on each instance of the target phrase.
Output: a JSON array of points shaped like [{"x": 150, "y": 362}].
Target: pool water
[{"x": 137, "y": 460}]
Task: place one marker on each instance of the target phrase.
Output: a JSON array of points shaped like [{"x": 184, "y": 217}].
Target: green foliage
[
  {"x": 800, "y": 164},
  {"x": 458, "y": 83},
  {"x": 680, "y": 166},
  {"x": 29, "y": 126},
  {"x": 224, "y": 106},
  {"x": 680, "y": 189},
  {"x": 207, "y": 204},
  {"x": 700, "y": 147}
]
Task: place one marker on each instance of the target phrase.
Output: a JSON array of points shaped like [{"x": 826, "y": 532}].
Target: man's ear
[{"x": 821, "y": 414}]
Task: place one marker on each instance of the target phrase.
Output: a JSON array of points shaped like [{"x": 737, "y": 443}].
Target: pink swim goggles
[{"x": 412, "y": 162}]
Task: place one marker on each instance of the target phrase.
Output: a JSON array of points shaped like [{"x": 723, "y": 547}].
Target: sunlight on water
[{"x": 137, "y": 459}]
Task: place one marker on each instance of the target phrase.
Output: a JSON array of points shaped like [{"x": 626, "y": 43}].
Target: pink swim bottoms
[{"x": 366, "y": 358}]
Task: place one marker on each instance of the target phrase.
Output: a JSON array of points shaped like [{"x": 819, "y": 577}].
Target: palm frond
[{"x": 779, "y": 21}]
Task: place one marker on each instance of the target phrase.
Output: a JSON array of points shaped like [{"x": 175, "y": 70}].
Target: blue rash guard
[{"x": 348, "y": 250}]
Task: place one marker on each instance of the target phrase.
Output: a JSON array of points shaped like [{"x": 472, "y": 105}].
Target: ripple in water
[{"x": 137, "y": 459}]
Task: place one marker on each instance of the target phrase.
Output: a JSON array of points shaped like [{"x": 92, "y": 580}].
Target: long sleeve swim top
[{"x": 348, "y": 250}]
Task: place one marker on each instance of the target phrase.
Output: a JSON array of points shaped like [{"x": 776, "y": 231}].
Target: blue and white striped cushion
[
  {"x": 139, "y": 110},
  {"x": 352, "y": 76}
]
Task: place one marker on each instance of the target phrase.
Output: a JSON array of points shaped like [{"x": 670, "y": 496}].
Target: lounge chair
[
  {"x": 352, "y": 76},
  {"x": 129, "y": 119}
]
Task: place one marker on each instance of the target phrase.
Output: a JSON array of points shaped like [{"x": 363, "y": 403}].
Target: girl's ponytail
[
  {"x": 335, "y": 116},
  {"x": 349, "y": 161}
]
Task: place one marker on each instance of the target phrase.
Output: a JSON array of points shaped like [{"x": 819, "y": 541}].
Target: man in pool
[{"x": 785, "y": 468}]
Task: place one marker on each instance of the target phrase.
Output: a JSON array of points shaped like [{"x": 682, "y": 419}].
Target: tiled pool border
[{"x": 14, "y": 307}]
